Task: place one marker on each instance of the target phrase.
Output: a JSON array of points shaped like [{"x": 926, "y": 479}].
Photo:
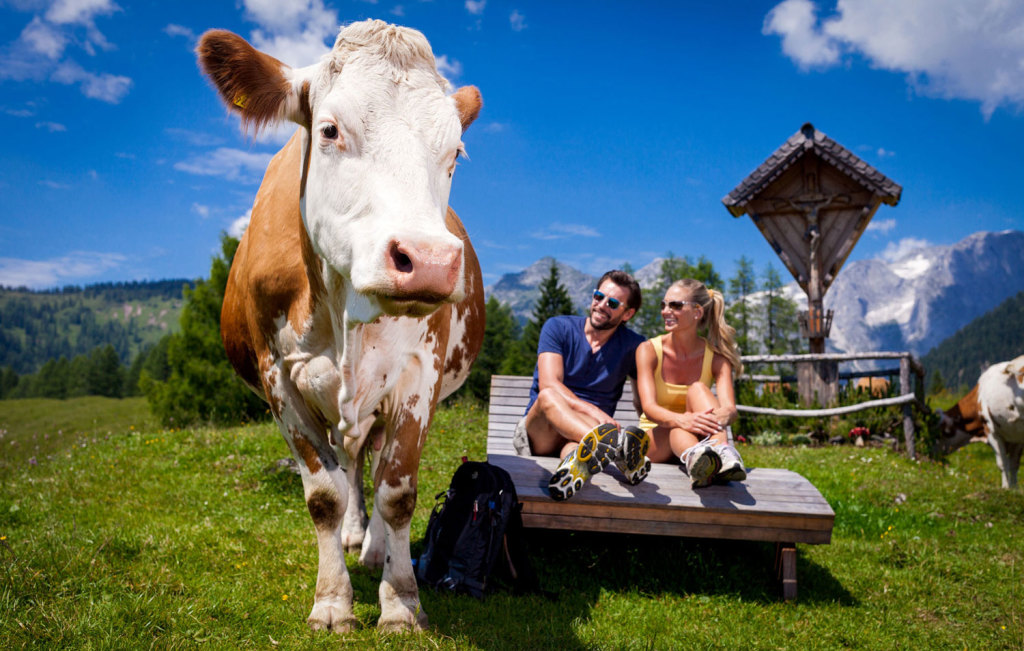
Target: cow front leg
[
  {"x": 332, "y": 604},
  {"x": 1002, "y": 458},
  {"x": 1013, "y": 452},
  {"x": 400, "y": 607}
]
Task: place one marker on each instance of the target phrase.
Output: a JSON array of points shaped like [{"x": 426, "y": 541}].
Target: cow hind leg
[
  {"x": 1013, "y": 453},
  {"x": 353, "y": 528}
]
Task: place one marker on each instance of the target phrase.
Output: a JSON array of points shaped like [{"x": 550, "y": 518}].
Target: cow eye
[{"x": 329, "y": 131}]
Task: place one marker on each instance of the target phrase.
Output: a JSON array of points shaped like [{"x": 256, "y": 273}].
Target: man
[{"x": 582, "y": 364}]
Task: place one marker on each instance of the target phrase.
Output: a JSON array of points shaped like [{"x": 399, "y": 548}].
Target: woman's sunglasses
[
  {"x": 676, "y": 305},
  {"x": 613, "y": 303}
]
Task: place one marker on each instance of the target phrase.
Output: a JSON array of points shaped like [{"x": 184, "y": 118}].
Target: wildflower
[
  {"x": 284, "y": 597},
  {"x": 3, "y": 538}
]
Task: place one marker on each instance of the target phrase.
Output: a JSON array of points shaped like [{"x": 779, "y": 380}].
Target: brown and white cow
[
  {"x": 354, "y": 301},
  {"x": 993, "y": 408}
]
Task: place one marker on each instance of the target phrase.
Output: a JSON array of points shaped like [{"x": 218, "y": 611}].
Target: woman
[{"x": 675, "y": 372}]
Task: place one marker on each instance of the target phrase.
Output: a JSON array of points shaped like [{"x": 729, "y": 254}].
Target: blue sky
[{"x": 610, "y": 131}]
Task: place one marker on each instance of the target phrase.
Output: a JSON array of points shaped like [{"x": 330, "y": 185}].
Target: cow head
[
  {"x": 381, "y": 142},
  {"x": 960, "y": 424}
]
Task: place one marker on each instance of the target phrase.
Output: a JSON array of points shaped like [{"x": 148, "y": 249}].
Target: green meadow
[{"x": 116, "y": 534}]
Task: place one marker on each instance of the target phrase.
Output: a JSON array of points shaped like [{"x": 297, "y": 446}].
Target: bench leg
[{"x": 785, "y": 569}]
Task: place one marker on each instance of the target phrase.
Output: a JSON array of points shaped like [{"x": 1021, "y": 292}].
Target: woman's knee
[{"x": 700, "y": 398}]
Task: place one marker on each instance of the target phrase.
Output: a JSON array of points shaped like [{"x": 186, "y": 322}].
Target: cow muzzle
[{"x": 421, "y": 277}]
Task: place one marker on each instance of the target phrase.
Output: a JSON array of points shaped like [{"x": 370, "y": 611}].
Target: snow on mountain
[{"x": 911, "y": 301}]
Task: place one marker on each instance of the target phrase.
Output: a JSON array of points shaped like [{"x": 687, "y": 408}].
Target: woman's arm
[{"x": 721, "y": 369}]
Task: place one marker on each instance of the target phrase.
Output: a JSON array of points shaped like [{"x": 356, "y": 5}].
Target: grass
[{"x": 174, "y": 539}]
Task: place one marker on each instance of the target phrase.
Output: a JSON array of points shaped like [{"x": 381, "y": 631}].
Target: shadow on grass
[{"x": 578, "y": 567}]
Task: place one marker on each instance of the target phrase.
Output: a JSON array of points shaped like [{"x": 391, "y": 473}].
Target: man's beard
[{"x": 610, "y": 324}]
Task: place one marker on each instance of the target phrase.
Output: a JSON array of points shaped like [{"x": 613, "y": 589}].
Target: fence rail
[{"x": 908, "y": 397}]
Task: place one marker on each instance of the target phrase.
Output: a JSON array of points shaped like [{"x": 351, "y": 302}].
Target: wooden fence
[{"x": 909, "y": 394}]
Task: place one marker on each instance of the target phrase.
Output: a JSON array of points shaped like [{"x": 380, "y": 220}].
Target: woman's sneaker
[
  {"x": 732, "y": 464},
  {"x": 702, "y": 463},
  {"x": 631, "y": 458},
  {"x": 590, "y": 457}
]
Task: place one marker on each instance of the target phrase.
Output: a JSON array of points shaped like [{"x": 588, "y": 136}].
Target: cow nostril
[{"x": 400, "y": 260}]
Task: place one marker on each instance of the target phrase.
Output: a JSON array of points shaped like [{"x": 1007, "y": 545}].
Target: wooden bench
[{"x": 771, "y": 505}]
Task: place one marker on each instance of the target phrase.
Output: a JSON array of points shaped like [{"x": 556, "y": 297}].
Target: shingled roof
[{"x": 805, "y": 140}]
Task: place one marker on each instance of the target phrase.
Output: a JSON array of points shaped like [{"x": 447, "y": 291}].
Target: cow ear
[
  {"x": 467, "y": 103},
  {"x": 253, "y": 84}
]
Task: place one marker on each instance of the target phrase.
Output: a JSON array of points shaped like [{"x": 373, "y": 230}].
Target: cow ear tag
[{"x": 241, "y": 100}]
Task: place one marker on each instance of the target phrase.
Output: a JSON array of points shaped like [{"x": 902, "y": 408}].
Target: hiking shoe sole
[
  {"x": 590, "y": 457},
  {"x": 632, "y": 458},
  {"x": 704, "y": 467}
]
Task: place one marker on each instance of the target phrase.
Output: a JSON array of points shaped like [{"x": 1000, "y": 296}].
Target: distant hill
[
  {"x": 36, "y": 326},
  {"x": 995, "y": 336}
]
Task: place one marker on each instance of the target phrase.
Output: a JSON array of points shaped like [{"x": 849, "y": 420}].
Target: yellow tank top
[{"x": 673, "y": 396}]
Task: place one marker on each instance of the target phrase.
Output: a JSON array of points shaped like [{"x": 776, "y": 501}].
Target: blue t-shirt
[{"x": 596, "y": 378}]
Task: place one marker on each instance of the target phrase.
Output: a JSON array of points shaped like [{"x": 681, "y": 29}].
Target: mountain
[
  {"x": 915, "y": 302},
  {"x": 995, "y": 336},
  {"x": 910, "y": 303},
  {"x": 520, "y": 290},
  {"x": 37, "y": 326}
]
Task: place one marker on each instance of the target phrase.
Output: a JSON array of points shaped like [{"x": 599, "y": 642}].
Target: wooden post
[
  {"x": 908, "y": 416},
  {"x": 785, "y": 569}
]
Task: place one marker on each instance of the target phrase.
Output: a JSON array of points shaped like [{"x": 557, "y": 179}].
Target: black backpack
[{"x": 475, "y": 535}]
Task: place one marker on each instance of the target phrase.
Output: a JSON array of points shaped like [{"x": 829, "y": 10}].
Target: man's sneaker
[
  {"x": 590, "y": 457},
  {"x": 631, "y": 457},
  {"x": 702, "y": 464},
  {"x": 732, "y": 464}
]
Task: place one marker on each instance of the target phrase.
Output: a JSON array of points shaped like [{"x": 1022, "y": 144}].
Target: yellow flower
[
  {"x": 3, "y": 537},
  {"x": 284, "y": 597}
]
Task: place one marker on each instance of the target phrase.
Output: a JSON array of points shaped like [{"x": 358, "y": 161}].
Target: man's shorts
[{"x": 520, "y": 439}]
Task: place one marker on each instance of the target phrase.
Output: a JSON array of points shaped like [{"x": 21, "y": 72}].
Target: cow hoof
[
  {"x": 352, "y": 545},
  {"x": 330, "y": 617},
  {"x": 403, "y": 625}
]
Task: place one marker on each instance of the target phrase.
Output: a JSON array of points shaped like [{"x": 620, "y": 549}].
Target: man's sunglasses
[
  {"x": 677, "y": 305},
  {"x": 613, "y": 303}
]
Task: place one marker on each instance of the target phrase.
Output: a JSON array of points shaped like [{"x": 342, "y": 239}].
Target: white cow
[
  {"x": 355, "y": 300},
  {"x": 995, "y": 407}
]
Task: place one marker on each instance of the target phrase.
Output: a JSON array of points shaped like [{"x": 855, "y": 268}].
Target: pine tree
[
  {"x": 742, "y": 285},
  {"x": 648, "y": 318},
  {"x": 780, "y": 316},
  {"x": 202, "y": 385},
  {"x": 105, "y": 376},
  {"x": 554, "y": 300},
  {"x": 500, "y": 334}
]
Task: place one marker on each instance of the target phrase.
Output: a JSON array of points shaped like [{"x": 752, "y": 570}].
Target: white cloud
[
  {"x": 449, "y": 69},
  {"x": 103, "y": 86},
  {"x": 201, "y": 210},
  {"x": 895, "y": 251},
  {"x": 80, "y": 12},
  {"x": 39, "y": 51},
  {"x": 239, "y": 225},
  {"x": 297, "y": 32},
  {"x": 52, "y": 127},
  {"x": 54, "y": 185},
  {"x": 43, "y": 38},
  {"x": 517, "y": 21},
  {"x": 43, "y": 274},
  {"x": 560, "y": 231},
  {"x": 179, "y": 30},
  {"x": 231, "y": 164},
  {"x": 947, "y": 48},
  {"x": 495, "y": 127},
  {"x": 802, "y": 40},
  {"x": 476, "y": 8},
  {"x": 883, "y": 226},
  {"x": 885, "y": 153},
  {"x": 398, "y": 10}
]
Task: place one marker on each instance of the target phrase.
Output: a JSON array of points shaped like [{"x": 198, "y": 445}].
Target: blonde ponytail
[{"x": 721, "y": 335}]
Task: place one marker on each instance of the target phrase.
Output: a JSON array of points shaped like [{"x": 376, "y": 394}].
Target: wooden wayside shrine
[
  {"x": 771, "y": 505},
  {"x": 812, "y": 199}
]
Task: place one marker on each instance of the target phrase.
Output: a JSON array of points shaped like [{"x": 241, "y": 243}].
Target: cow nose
[{"x": 422, "y": 272}]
